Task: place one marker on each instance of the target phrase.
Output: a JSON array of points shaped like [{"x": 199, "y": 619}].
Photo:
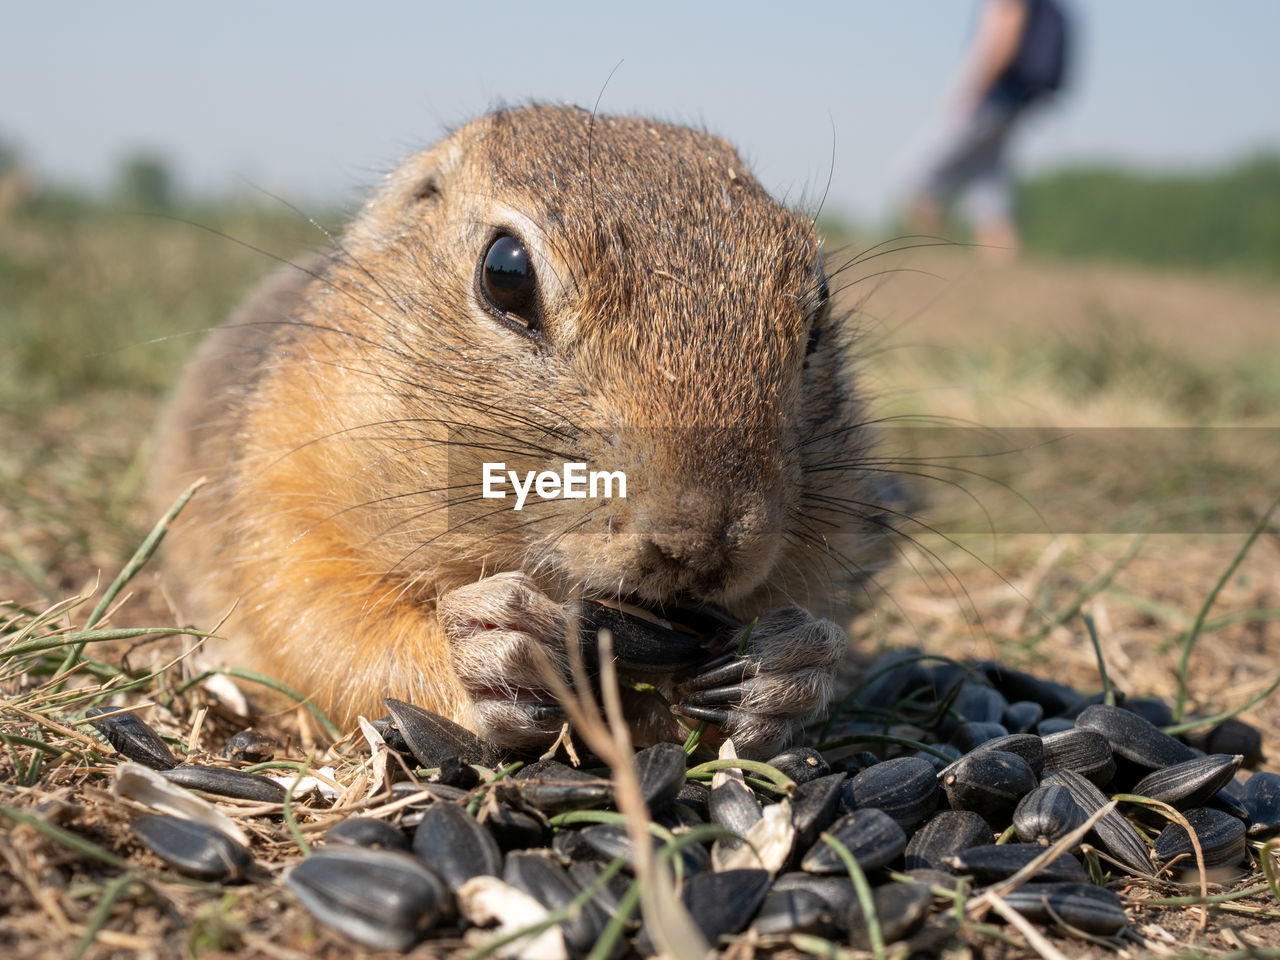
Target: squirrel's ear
[
  {"x": 422, "y": 179},
  {"x": 428, "y": 189}
]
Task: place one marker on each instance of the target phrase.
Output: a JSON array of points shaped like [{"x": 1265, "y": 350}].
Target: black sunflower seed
[
  {"x": 433, "y": 739},
  {"x": 455, "y": 846},
  {"x": 132, "y": 738},
  {"x": 900, "y": 908},
  {"x": 1114, "y": 832},
  {"x": 1046, "y": 814},
  {"x": 906, "y": 788},
  {"x": 1055, "y": 698},
  {"x": 548, "y": 883},
  {"x": 1022, "y": 716},
  {"x": 992, "y": 862},
  {"x": 553, "y": 787},
  {"x": 226, "y": 783},
  {"x": 383, "y": 899},
  {"x": 734, "y": 806},
  {"x": 1081, "y": 905},
  {"x": 1189, "y": 784},
  {"x": 793, "y": 911},
  {"x": 814, "y": 806},
  {"x": 367, "y": 832},
  {"x": 801, "y": 764},
  {"x": 660, "y": 770},
  {"x": 873, "y": 838},
  {"x": 193, "y": 848},
  {"x": 990, "y": 783},
  {"x": 945, "y": 834},
  {"x": 970, "y": 735},
  {"x": 1087, "y": 752},
  {"x": 1221, "y": 836},
  {"x": 1134, "y": 738},
  {"x": 1261, "y": 798},
  {"x": 251, "y": 746}
]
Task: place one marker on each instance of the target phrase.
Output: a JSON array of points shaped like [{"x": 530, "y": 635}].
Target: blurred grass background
[{"x": 1141, "y": 301}]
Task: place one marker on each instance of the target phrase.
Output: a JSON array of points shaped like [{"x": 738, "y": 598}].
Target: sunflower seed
[
  {"x": 132, "y": 738},
  {"x": 1081, "y": 905},
  {"x": 814, "y": 806},
  {"x": 1055, "y": 698},
  {"x": 431, "y": 738},
  {"x": 1046, "y": 815},
  {"x": 900, "y": 908},
  {"x": 990, "y": 783},
  {"x": 1262, "y": 799},
  {"x": 873, "y": 838},
  {"x": 226, "y": 783},
  {"x": 793, "y": 911},
  {"x": 251, "y": 746},
  {"x": 734, "y": 806},
  {"x": 968, "y": 736},
  {"x": 549, "y": 884},
  {"x": 610, "y": 840},
  {"x": 1134, "y": 738},
  {"x": 946, "y": 833},
  {"x": 1231, "y": 736},
  {"x": 1051, "y": 725},
  {"x": 367, "y": 832},
  {"x": 801, "y": 764},
  {"x": 1087, "y": 752},
  {"x": 383, "y": 899},
  {"x": 193, "y": 848},
  {"x": 553, "y": 787},
  {"x": 993, "y": 862},
  {"x": 660, "y": 770},
  {"x": 978, "y": 703},
  {"x": 1114, "y": 832},
  {"x": 1189, "y": 784},
  {"x": 586, "y": 873},
  {"x": 1022, "y": 716},
  {"x": 836, "y": 889},
  {"x": 719, "y": 903},
  {"x": 1221, "y": 836},
  {"x": 455, "y": 846},
  {"x": 1151, "y": 709},
  {"x": 641, "y": 645},
  {"x": 906, "y": 788}
]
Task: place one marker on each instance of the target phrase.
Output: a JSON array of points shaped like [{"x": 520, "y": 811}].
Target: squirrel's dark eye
[
  {"x": 507, "y": 278},
  {"x": 815, "y": 334}
]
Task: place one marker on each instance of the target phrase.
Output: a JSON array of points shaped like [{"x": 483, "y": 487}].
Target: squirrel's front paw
[
  {"x": 505, "y": 635},
  {"x": 782, "y": 679}
]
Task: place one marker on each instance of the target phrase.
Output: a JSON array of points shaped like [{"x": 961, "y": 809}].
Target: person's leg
[
  {"x": 973, "y": 156},
  {"x": 990, "y": 199}
]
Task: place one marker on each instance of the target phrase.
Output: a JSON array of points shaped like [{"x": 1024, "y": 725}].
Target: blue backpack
[{"x": 1040, "y": 64}]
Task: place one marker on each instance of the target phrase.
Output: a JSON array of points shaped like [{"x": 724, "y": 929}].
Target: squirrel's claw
[{"x": 782, "y": 679}]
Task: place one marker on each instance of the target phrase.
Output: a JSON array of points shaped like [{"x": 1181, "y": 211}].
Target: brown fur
[{"x": 678, "y": 300}]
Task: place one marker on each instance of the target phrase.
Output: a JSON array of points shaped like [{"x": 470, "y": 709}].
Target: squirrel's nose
[
  {"x": 711, "y": 544},
  {"x": 704, "y": 549}
]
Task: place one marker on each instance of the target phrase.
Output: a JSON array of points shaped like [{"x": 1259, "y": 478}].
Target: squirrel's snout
[{"x": 710, "y": 553}]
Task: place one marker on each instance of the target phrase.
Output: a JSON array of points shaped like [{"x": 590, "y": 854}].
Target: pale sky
[{"x": 313, "y": 100}]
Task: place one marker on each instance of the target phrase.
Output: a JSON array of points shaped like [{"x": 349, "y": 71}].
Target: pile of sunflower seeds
[{"x": 901, "y": 803}]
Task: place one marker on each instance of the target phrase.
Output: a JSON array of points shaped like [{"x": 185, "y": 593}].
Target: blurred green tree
[{"x": 145, "y": 180}]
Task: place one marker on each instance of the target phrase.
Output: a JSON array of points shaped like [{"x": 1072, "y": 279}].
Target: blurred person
[{"x": 1017, "y": 58}]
